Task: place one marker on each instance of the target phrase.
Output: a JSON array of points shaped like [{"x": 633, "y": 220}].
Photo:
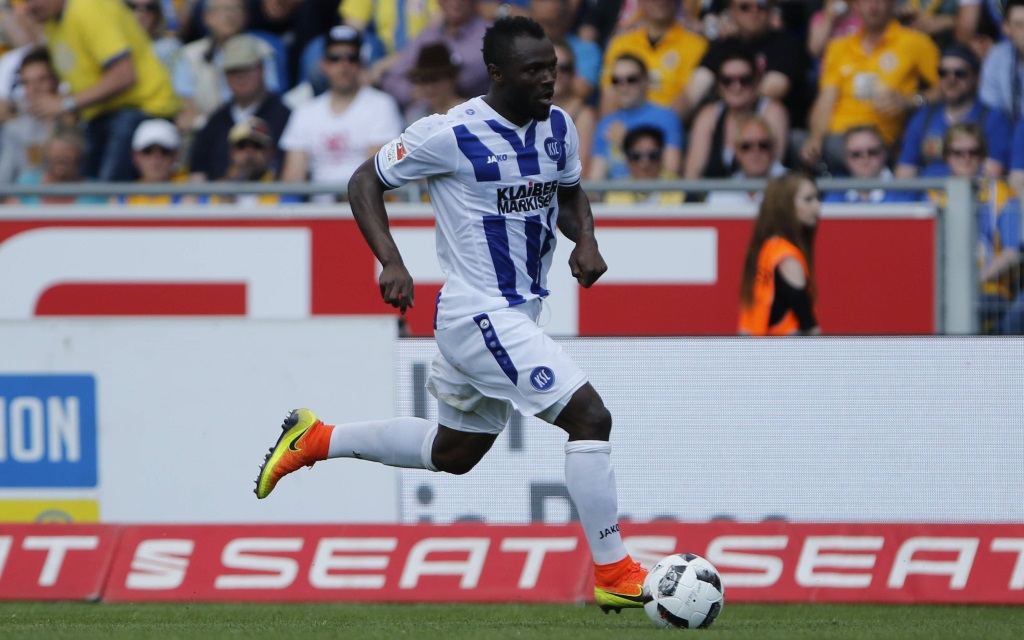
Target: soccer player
[{"x": 502, "y": 169}]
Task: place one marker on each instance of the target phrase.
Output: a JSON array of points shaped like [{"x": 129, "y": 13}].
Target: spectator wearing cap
[
  {"x": 434, "y": 80},
  {"x": 958, "y": 85},
  {"x": 461, "y": 27},
  {"x": 200, "y": 72},
  {"x": 155, "y": 147},
  {"x": 22, "y": 139},
  {"x": 252, "y": 153},
  {"x": 115, "y": 80},
  {"x": 331, "y": 135},
  {"x": 244, "y": 71}
]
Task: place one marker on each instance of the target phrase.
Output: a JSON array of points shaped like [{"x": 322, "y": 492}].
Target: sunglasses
[
  {"x": 974, "y": 152},
  {"x": 746, "y": 80},
  {"x": 751, "y": 145},
  {"x": 148, "y": 7},
  {"x": 636, "y": 156},
  {"x": 959, "y": 74},
  {"x": 750, "y": 7},
  {"x": 634, "y": 79},
  {"x": 857, "y": 154},
  {"x": 242, "y": 145},
  {"x": 338, "y": 57},
  {"x": 157, "y": 149}
]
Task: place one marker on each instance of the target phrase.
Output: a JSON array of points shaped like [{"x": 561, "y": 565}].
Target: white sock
[
  {"x": 591, "y": 483},
  {"x": 398, "y": 442}
]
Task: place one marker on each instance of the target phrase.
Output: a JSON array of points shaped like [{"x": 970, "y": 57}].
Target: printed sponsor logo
[
  {"x": 47, "y": 431},
  {"x": 542, "y": 378},
  {"x": 526, "y": 197},
  {"x": 501, "y": 157},
  {"x": 43, "y": 562}
]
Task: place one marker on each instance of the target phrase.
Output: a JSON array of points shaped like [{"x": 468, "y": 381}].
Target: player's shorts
[{"x": 493, "y": 362}]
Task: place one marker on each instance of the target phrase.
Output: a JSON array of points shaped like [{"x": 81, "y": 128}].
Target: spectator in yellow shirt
[
  {"x": 115, "y": 79},
  {"x": 668, "y": 50},
  {"x": 873, "y": 76}
]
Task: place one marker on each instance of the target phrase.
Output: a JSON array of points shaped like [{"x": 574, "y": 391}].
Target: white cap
[{"x": 150, "y": 132}]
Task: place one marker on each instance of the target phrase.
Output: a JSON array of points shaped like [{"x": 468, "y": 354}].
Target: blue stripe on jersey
[
  {"x": 477, "y": 153},
  {"x": 559, "y": 129},
  {"x": 504, "y": 268},
  {"x": 494, "y": 346},
  {"x": 380, "y": 174},
  {"x": 534, "y": 252},
  {"x": 526, "y": 151}
]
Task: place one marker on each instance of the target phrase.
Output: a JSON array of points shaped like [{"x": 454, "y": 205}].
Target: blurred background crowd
[{"x": 305, "y": 90}]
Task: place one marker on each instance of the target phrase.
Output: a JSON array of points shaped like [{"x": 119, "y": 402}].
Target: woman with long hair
[{"x": 778, "y": 290}]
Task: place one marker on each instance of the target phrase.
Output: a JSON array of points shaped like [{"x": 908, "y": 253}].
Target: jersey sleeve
[
  {"x": 427, "y": 148},
  {"x": 573, "y": 166}
]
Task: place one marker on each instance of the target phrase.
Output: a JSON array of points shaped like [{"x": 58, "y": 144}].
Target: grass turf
[{"x": 45, "y": 621}]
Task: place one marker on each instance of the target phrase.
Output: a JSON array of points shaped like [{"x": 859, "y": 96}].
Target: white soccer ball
[{"x": 686, "y": 592}]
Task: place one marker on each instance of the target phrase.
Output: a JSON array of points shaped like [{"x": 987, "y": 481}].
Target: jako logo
[
  {"x": 501, "y": 157},
  {"x": 48, "y": 431},
  {"x": 542, "y": 378}
]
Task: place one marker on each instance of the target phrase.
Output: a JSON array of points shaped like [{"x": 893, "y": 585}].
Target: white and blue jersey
[{"x": 494, "y": 189}]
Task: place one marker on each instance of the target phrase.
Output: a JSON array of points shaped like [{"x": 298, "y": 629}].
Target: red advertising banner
[
  {"x": 765, "y": 562},
  {"x": 55, "y": 562},
  {"x": 681, "y": 275},
  {"x": 396, "y": 563}
]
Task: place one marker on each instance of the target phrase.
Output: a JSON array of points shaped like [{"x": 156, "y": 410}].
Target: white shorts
[{"x": 493, "y": 362}]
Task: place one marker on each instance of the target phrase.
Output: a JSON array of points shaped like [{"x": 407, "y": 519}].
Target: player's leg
[{"x": 590, "y": 480}]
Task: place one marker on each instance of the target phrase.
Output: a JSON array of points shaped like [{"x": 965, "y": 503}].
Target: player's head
[{"x": 522, "y": 64}]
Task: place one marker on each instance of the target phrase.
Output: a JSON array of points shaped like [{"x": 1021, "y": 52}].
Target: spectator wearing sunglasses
[
  {"x": 755, "y": 158},
  {"x": 252, "y": 152},
  {"x": 667, "y": 50},
  {"x": 583, "y": 114},
  {"x": 150, "y": 14},
  {"x": 1001, "y": 309},
  {"x": 644, "y": 149},
  {"x": 629, "y": 81},
  {"x": 155, "y": 148},
  {"x": 710, "y": 152},
  {"x": 328, "y": 137},
  {"x": 921, "y": 152},
  {"x": 782, "y": 63},
  {"x": 867, "y": 157}
]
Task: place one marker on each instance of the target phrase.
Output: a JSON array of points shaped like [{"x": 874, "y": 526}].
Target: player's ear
[{"x": 495, "y": 73}]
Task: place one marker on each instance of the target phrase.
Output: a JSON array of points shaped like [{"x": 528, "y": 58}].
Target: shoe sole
[
  {"x": 288, "y": 428},
  {"x": 617, "y": 602}
]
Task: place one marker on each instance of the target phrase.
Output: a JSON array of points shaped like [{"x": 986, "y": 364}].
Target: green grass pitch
[{"x": 45, "y": 621}]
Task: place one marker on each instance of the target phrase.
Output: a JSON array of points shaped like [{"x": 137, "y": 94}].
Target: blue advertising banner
[{"x": 48, "y": 431}]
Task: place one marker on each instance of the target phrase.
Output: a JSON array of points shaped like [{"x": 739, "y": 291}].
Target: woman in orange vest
[{"x": 778, "y": 291}]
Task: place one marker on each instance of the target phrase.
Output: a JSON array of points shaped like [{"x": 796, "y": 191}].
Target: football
[{"x": 686, "y": 592}]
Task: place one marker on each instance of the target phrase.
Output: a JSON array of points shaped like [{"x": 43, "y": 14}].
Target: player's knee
[
  {"x": 593, "y": 423},
  {"x": 455, "y": 465}
]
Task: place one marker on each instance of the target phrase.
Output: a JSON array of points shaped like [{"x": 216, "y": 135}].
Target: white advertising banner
[
  {"x": 167, "y": 420},
  {"x": 807, "y": 430}
]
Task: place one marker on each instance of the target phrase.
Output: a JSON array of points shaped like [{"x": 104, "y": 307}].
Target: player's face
[
  {"x": 529, "y": 77},
  {"x": 807, "y": 204}
]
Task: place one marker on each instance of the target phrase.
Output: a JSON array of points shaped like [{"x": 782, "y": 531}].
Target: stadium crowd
[{"x": 305, "y": 90}]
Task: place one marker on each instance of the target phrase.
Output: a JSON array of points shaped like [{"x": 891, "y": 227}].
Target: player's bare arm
[
  {"x": 576, "y": 221},
  {"x": 366, "y": 194}
]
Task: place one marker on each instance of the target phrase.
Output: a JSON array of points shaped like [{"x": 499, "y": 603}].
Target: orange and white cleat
[
  {"x": 620, "y": 586},
  {"x": 303, "y": 443}
]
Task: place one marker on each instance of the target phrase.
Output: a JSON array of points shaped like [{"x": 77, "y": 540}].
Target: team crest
[
  {"x": 888, "y": 60},
  {"x": 542, "y": 378},
  {"x": 553, "y": 148}
]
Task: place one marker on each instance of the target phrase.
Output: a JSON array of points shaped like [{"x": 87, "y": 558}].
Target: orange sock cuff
[
  {"x": 607, "y": 573},
  {"x": 317, "y": 440}
]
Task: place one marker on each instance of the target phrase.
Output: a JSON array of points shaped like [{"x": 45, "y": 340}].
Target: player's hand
[
  {"x": 586, "y": 263},
  {"x": 396, "y": 286}
]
